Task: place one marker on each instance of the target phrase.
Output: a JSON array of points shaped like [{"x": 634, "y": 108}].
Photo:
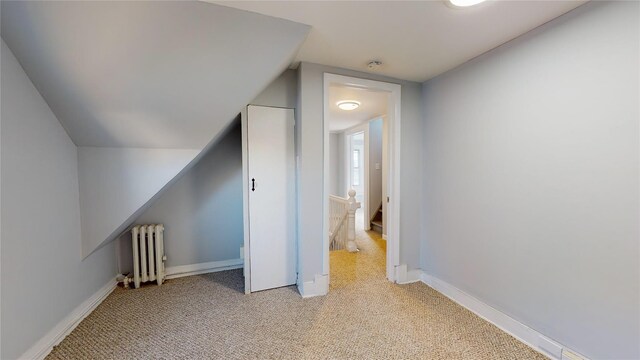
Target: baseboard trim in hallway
[
  {"x": 513, "y": 327},
  {"x": 43, "y": 347}
]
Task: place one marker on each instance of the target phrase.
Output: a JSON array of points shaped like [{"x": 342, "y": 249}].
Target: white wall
[
  {"x": 531, "y": 179},
  {"x": 117, "y": 182},
  {"x": 375, "y": 175},
  {"x": 310, "y": 130},
  {"x": 43, "y": 274}
]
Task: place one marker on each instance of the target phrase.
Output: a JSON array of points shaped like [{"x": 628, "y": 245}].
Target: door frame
[
  {"x": 393, "y": 182},
  {"x": 362, "y": 128},
  {"x": 245, "y": 253}
]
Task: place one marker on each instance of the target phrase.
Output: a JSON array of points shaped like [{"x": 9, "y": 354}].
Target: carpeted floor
[{"x": 364, "y": 317}]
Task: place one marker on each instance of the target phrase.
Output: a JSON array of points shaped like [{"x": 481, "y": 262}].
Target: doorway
[
  {"x": 357, "y": 161},
  {"x": 356, "y": 165}
]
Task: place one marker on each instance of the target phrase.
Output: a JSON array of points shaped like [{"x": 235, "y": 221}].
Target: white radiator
[{"x": 148, "y": 253}]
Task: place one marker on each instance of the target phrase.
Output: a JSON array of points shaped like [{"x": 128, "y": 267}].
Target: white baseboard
[
  {"x": 318, "y": 287},
  {"x": 384, "y": 237},
  {"x": 404, "y": 276},
  {"x": 174, "y": 272},
  {"x": 43, "y": 347},
  {"x": 520, "y": 331}
]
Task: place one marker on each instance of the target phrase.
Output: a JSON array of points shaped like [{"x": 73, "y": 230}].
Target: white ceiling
[
  {"x": 147, "y": 74},
  {"x": 373, "y": 104},
  {"x": 416, "y": 40}
]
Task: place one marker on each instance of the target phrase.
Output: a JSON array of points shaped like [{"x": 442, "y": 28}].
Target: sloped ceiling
[
  {"x": 142, "y": 88},
  {"x": 150, "y": 74},
  {"x": 415, "y": 40},
  {"x": 116, "y": 182}
]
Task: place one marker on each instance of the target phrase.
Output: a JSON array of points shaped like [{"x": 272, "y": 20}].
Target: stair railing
[{"x": 342, "y": 222}]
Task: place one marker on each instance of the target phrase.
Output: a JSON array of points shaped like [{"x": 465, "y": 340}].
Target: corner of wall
[
  {"x": 405, "y": 276},
  {"x": 318, "y": 287}
]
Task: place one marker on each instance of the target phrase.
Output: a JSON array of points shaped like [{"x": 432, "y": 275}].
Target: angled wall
[
  {"x": 531, "y": 199},
  {"x": 202, "y": 211},
  {"x": 155, "y": 74},
  {"x": 116, "y": 182},
  {"x": 44, "y": 276}
]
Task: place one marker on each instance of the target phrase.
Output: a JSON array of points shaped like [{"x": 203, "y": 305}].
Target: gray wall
[
  {"x": 336, "y": 164},
  {"x": 43, "y": 275},
  {"x": 117, "y": 182},
  {"x": 202, "y": 211},
  {"x": 310, "y": 130},
  {"x": 375, "y": 156},
  {"x": 282, "y": 92},
  {"x": 531, "y": 179}
]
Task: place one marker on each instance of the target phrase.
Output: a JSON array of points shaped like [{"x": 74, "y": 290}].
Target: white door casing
[{"x": 392, "y": 183}]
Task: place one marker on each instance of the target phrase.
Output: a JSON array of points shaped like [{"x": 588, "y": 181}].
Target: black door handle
[{"x": 253, "y": 184}]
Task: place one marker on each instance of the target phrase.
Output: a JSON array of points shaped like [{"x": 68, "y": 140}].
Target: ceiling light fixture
[
  {"x": 348, "y": 104},
  {"x": 465, "y": 3}
]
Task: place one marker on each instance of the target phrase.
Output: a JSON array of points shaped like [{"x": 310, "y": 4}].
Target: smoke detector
[{"x": 374, "y": 64}]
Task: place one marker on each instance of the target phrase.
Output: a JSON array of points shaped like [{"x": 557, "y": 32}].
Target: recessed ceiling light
[
  {"x": 348, "y": 104},
  {"x": 465, "y": 3}
]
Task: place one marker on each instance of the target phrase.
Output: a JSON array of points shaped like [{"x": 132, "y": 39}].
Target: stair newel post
[{"x": 351, "y": 221}]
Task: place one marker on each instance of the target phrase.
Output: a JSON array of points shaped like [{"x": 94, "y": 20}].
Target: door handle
[{"x": 253, "y": 184}]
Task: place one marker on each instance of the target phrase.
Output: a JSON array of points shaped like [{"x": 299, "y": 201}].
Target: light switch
[{"x": 377, "y": 166}]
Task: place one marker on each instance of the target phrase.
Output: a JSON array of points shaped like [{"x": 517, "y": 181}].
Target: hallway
[{"x": 368, "y": 264}]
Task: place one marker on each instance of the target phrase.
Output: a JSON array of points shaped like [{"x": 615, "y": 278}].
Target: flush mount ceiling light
[
  {"x": 464, "y": 3},
  {"x": 348, "y": 104}
]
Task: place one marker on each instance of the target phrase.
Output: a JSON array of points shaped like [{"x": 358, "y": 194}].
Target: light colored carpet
[{"x": 364, "y": 317}]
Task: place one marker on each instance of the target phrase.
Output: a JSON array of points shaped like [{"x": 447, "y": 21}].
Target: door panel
[{"x": 271, "y": 163}]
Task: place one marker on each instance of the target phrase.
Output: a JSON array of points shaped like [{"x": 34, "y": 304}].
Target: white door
[{"x": 271, "y": 163}]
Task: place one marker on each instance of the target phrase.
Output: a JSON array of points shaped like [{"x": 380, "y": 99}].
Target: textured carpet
[{"x": 364, "y": 316}]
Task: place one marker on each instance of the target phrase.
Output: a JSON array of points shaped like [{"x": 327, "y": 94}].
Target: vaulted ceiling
[
  {"x": 142, "y": 88},
  {"x": 415, "y": 40},
  {"x": 150, "y": 74}
]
